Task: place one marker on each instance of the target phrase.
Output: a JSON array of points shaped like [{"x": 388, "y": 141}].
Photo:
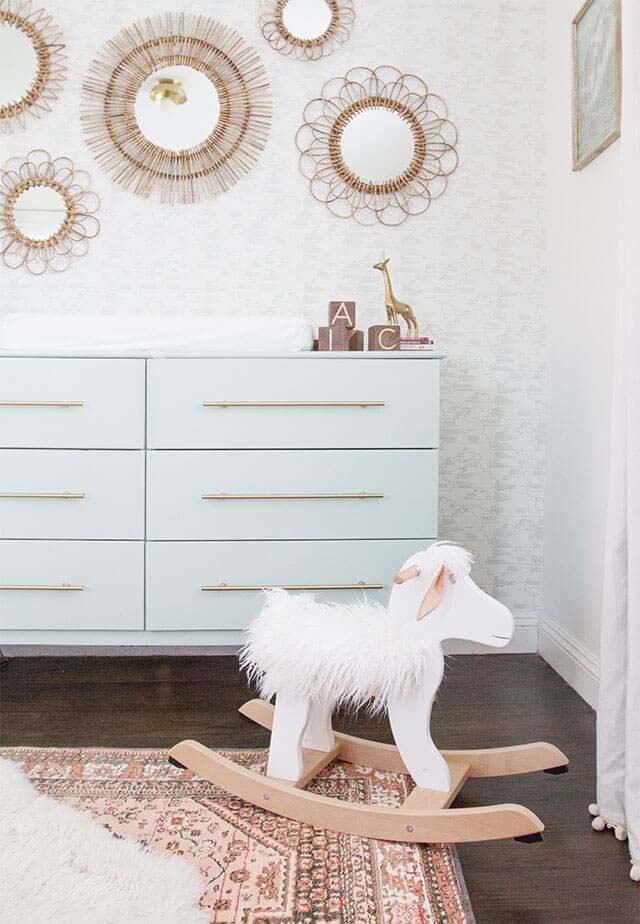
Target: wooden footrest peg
[
  {"x": 313, "y": 762},
  {"x": 429, "y": 800}
]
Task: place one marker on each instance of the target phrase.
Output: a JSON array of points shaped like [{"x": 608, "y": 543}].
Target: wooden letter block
[
  {"x": 340, "y": 339},
  {"x": 384, "y": 337},
  {"x": 356, "y": 343},
  {"x": 342, "y": 313}
]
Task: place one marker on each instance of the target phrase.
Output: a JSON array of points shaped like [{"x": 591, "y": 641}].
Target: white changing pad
[{"x": 40, "y": 333}]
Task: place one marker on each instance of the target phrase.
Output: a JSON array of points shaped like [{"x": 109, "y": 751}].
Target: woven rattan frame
[
  {"x": 138, "y": 51},
  {"x": 350, "y": 196},
  {"x": 80, "y": 224},
  {"x": 338, "y": 31},
  {"x": 46, "y": 38}
]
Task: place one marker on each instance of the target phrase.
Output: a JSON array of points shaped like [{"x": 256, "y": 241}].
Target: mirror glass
[
  {"x": 178, "y": 126},
  {"x": 306, "y": 19},
  {"x": 377, "y": 145},
  {"x": 19, "y": 64},
  {"x": 39, "y": 212}
]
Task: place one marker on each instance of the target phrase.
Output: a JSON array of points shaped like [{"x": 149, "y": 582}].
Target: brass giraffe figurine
[{"x": 393, "y": 306}]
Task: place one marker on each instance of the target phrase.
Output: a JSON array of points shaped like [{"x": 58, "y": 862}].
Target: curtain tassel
[{"x": 600, "y": 824}]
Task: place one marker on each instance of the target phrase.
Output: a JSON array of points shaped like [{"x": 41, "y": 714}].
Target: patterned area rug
[{"x": 258, "y": 867}]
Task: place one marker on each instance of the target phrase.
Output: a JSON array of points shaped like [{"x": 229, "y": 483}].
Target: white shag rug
[{"x": 60, "y": 866}]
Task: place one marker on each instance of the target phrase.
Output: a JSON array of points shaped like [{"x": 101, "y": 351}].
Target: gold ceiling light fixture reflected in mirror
[
  {"x": 207, "y": 145},
  {"x": 168, "y": 90}
]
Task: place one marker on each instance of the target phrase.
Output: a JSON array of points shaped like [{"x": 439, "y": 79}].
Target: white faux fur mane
[
  {"x": 332, "y": 654},
  {"x": 342, "y": 655}
]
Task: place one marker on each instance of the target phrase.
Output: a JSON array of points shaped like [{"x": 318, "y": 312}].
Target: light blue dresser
[{"x": 146, "y": 501}]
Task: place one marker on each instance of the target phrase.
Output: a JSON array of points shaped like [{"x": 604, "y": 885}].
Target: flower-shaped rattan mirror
[
  {"x": 47, "y": 213},
  {"x": 307, "y": 29},
  {"x": 377, "y": 146},
  {"x": 33, "y": 69},
  {"x": 177, "y": 107}
]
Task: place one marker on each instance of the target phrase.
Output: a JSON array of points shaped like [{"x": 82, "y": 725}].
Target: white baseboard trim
[
  {"x": 525, "y": 641},
  {"x": 570, "y": 658}
]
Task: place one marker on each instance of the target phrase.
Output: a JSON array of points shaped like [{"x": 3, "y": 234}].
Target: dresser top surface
[{"x": 396, "y": 355}]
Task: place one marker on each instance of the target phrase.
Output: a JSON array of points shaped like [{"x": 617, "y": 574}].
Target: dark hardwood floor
[{"x": 574, "y": 877}]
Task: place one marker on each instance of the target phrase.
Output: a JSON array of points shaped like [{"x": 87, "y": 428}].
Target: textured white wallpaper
[{"x": 472, "y": 267}]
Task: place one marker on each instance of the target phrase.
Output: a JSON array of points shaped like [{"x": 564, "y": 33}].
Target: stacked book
[{"x": 416, "y": 343}]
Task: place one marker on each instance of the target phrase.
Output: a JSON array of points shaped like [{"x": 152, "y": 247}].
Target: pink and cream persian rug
[{"x": 259, "y": 868}]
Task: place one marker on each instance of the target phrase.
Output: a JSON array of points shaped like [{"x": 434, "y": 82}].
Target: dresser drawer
[
  {"x": 72, "y": 403},
  {"x": 184, "y": 578},
  {"x": 298, "y": 494},
  {"x": 70, "y": 494},
  {"x": 71, "y": 585},
  {"x": 312, "y": 403}
]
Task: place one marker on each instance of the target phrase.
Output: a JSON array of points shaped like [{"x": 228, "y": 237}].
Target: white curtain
[{"x": 618, "y": 805}]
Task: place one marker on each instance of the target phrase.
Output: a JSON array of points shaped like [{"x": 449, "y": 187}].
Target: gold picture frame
[
  {"x": 51, "y": 71},
  {"x": 338, "y": 31},
  {"x": 605, "y": 50},
  {"x": 168, "y": 40}
]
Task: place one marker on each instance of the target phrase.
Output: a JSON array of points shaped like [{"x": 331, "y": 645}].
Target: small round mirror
[
  {"x": 19, "y": 64},
  {"x": 377, "y": 145},
  {"x": 32, "y": 63},
  {"x": 306, "y": 19},
  {"x": 177, "y": 108},
  {"x": 39, "y": 212},
  {"x": 48, "y": 213},
  {"x": 306, "y": 29}
]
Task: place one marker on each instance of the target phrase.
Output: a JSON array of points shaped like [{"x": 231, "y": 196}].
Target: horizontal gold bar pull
[
  {"x": 361, "y": 585},
  {"x": 66, "y": 495},
  {"x": 361, "y": 495},
  {"x": 41, "y": 587},
  {"x": 41, "y": 403},
  {"x": 293, "y": 404}
]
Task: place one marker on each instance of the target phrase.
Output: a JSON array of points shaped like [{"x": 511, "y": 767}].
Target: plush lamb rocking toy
[{"x": 317, "y": 657}]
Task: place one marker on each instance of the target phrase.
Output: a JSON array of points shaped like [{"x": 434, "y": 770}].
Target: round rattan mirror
[
  {"x": 377, "y": 146},
  {"x": 177, "y": 107},
  {"x": 306, "y": 29},
  {"x": 32, "y": 70},
  {"x": 47, "y": 213}
]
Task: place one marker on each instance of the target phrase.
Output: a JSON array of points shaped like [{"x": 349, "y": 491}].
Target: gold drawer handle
[
  {"x": 41, "y": 587},
  {"x": 67, "y": 495},
  {"x": 293, "y": 404},
  {"x": 359, "y": 586},
  {"x": 362, "y": 495},
  {"x": 41, "y": 403}
]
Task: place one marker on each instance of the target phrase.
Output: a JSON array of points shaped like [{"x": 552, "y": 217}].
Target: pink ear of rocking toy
[{"x": 434, "y": 595}]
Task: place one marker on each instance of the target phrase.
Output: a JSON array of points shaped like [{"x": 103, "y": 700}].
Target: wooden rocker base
[{"x": 423, "y": 818}]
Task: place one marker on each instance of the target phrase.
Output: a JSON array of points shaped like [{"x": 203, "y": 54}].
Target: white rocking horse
[{"x": 318, "y": 657}]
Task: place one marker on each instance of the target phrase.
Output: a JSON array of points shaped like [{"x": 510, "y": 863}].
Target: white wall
[
  {"x": 473, "y": 267},
  {"x": 583, "y": 282}
]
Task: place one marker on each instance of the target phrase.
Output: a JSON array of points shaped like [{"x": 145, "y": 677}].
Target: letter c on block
[{"x": 387, "y": 330}]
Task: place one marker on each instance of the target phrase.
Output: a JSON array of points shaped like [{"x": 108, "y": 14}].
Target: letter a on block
[{"x": 342, "y": 313}]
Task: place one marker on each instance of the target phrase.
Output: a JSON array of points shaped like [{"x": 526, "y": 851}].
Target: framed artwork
[{"x": 597, "y": 79}]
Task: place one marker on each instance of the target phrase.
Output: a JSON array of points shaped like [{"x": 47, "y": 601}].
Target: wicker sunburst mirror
[
  {"x": 377, "y": 146},
  {"x": 47, "y": 213},
  {"x": 177, "y": 107},
  {"x": 33, "y": 70},
  {"x": 306, "y": 29}
]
